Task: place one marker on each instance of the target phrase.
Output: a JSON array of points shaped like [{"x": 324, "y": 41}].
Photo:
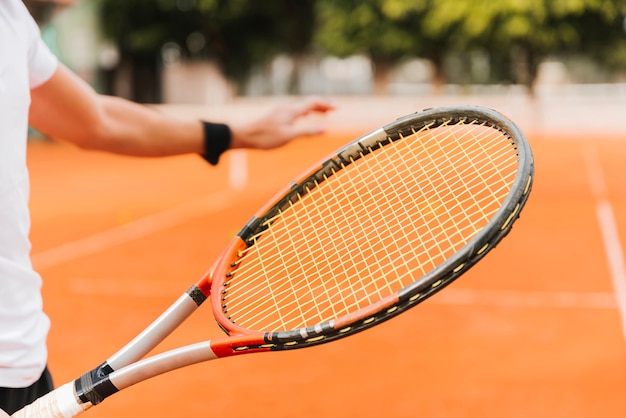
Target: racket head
[{"x": 301, "y": 273}]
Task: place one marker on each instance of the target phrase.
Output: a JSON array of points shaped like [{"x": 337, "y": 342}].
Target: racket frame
[{"x": 497, "y": 228}]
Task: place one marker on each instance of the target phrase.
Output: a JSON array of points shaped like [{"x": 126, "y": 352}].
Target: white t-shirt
[{"x": 25, "y": 63}]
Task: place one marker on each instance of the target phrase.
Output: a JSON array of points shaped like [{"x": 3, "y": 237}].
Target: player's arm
[{"x": 67, "y": 108}]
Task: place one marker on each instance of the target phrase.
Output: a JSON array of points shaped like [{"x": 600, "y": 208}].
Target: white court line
[
  {"x": 608, "y": 228},
  {"x": 123, "y": 288},
  {"x": 450, "y": 296},
  {"x": 524, "y": 299},
  {"x": 454, "y": 296},
  {"x": 131, "y": 231},
  {"x": 237, "y": 169}
]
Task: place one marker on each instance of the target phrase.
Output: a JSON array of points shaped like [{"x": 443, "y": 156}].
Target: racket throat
[{"x": 95, "y": 385}]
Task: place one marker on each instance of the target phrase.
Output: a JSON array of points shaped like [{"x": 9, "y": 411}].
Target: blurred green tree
[
  {"x": 521, "y": 34},
  {"x": 236, "y": 34},
  {"x": 385, "y": 30},
  {"x": 517, "y": 34}
]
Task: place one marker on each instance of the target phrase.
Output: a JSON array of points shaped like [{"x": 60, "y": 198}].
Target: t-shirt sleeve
[{"x": 42, "y": 63}]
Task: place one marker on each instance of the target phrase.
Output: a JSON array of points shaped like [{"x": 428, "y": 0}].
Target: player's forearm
[
  {"x": 129, "y": 128},
  {"x": 67, "y": 108}
]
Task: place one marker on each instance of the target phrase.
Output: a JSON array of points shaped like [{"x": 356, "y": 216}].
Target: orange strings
[{"x": 372, "y": 228}]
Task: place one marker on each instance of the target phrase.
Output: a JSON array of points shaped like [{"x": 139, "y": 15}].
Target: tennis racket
[{"x": 369, "y": 232}]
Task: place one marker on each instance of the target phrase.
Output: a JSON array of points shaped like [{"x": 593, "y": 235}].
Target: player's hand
[{"x": 279, "y": 126}]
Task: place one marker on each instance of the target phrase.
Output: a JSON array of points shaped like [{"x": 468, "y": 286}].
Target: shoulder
[
  {"x": 15, "y": 14},
  {"x": 23, "y": 45}
]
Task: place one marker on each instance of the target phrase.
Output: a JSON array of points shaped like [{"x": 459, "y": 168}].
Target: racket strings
[
  {"x": 366, "y": 235},
  {"x": 399, "y": 194},
  {"x": 453, "y": 190},
  {"x": 371, "y": 228},
  {"x": 339, "y": 265},
  {"x": 283, "y": 260}
]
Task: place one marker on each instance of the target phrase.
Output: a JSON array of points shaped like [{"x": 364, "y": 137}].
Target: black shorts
[{"x": 14, "y": 399}]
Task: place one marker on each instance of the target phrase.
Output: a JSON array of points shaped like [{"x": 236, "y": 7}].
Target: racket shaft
[
  {"x": 63, "y": 403},
  {"x": 162, "y": 363},
  {"x": 156, "y": 332}
]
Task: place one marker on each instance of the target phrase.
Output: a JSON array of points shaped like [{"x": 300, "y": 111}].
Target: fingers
[
  {"x": 312, "y": 104},
  {"x": 304, "y": 108},
  {"x": 306, "y": 130},
  {"x": 280, "y": 126}
]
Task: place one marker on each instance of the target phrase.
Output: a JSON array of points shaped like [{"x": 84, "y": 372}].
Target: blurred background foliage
[
  {"x": 460, "y": 41},
  {"x": 515, "y": 34},
  {"x": 236, "y": 34}
]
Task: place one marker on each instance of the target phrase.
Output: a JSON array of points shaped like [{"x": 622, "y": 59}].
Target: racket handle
[{"x": 60, "y": 403}]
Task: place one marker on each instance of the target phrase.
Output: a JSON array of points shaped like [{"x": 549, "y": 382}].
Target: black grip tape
[
  {"x": 95, "y": 385},
  {"x": 196, "y": 295}
]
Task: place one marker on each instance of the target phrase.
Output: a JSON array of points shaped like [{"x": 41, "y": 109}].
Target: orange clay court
[{"x": 533, "y": 330}]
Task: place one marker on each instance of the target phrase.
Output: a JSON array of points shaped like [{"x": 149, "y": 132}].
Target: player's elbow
[
  {"x": 110, "y": 127},
  {"x": 91, "y": 137},
  {"x": 94, "y": 134}
]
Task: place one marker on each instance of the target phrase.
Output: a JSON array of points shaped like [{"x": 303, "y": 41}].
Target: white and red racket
[{"x": 371, "y": 231}]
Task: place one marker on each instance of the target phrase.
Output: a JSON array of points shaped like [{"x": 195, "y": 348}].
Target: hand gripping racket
[{"x": 371, "y": 231}]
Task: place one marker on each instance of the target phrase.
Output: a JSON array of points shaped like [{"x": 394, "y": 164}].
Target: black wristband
[{"x": 217, "y": 138}]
